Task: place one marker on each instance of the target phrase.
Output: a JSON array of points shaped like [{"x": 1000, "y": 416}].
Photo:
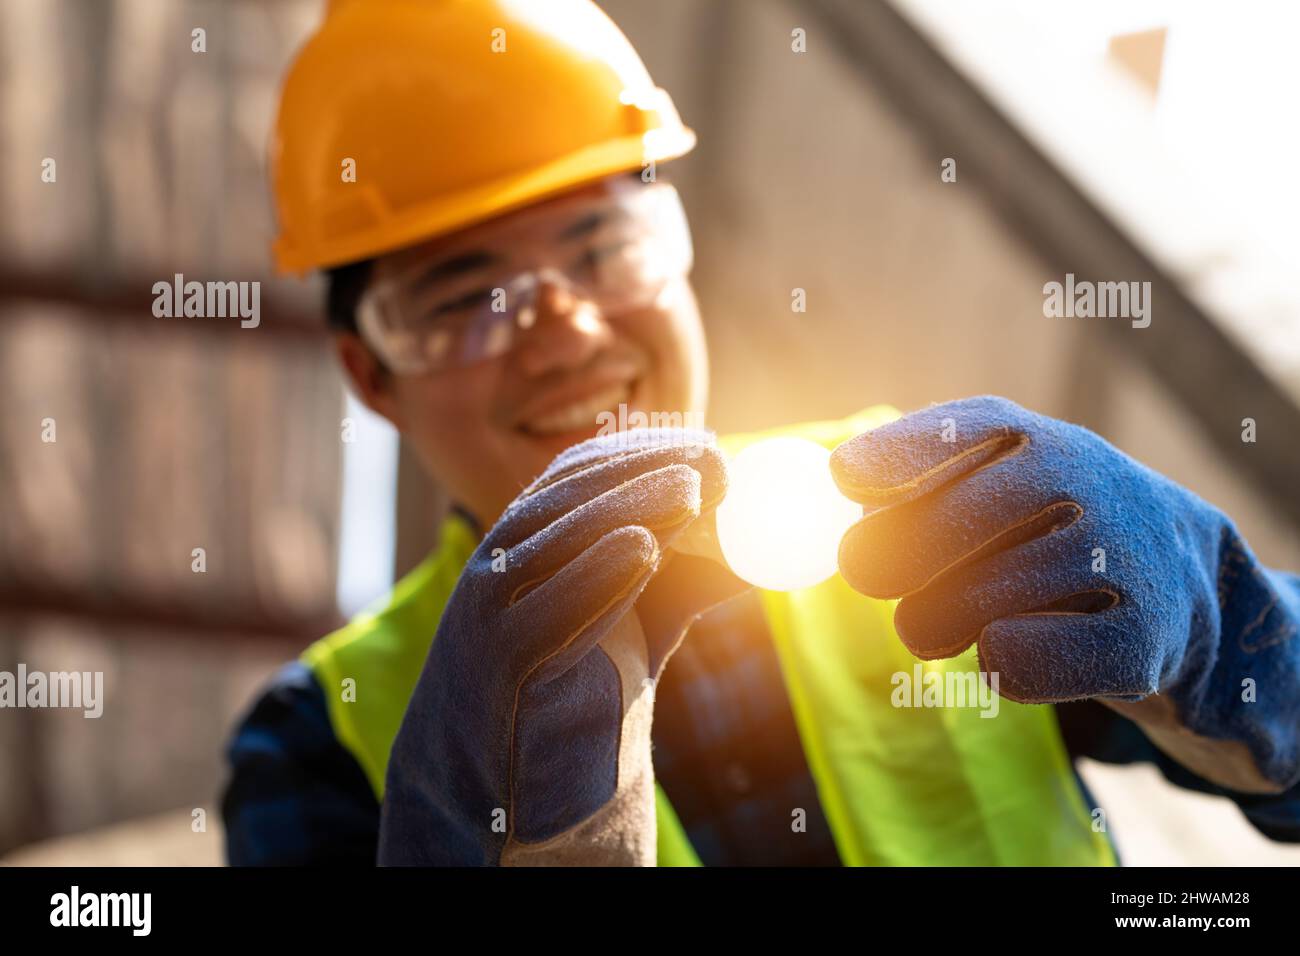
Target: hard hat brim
[{"x": 449, "y": 214}]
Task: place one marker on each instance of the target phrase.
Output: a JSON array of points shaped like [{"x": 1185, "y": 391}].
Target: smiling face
[{"x": 509, "y": 339}]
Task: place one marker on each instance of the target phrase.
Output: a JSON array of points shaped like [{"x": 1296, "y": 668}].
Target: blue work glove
[
  {"x": 527, "y": 739},
  {"x": 1080, "y": 573}
]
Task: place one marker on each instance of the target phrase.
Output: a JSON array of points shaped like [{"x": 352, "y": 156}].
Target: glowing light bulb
[{"x": 781, "y": 522}]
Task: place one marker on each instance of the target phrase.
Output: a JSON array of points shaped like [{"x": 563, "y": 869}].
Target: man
[{"x": 507, "y": 267}]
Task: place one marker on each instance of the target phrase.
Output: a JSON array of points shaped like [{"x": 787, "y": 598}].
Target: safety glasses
[{"x": 616, "y": 250}]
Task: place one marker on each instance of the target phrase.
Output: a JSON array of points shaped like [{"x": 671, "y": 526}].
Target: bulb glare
[{"x": 781, "y": 522}]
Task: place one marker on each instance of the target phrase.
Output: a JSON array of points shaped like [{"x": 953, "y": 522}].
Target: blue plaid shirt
[{"x": 726, "y": 751}]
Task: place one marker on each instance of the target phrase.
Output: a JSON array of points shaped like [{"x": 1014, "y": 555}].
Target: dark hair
[{"x": 344, "y": 287}]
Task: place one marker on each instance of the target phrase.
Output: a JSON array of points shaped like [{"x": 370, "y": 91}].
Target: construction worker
[{"x": 483, "y": 183}]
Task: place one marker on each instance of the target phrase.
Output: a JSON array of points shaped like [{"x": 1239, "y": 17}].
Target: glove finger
[
  {"x": 925, "y": 450},
  {"x": 549, "y": 501},
  {"x": 595, "y": 451},
  {"x": 895, "y": 551},
  {"x": 1051, "y": 573},
  {"x": 663, "y": 501},
  {"x": 563, "y": 619},
  {"x": 1056, "y": 657}
]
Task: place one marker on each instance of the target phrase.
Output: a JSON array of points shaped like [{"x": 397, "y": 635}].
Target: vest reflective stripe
[{"x": 899, "y": 785}]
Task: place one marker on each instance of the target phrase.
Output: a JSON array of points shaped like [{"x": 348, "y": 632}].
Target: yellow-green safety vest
[{"x": 909, "y": 786}]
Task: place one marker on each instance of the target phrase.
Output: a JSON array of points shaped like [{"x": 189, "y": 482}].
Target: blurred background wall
[{"x": 181, "y": 434}]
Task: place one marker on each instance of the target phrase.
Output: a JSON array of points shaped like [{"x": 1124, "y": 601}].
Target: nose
[{"x": 563, "y": 331}]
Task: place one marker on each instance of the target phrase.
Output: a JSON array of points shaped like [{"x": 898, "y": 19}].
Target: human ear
[{"x": 371, "y": 382}]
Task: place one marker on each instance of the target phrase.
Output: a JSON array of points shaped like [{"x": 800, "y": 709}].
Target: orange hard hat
[{"x": 402, "y": 120}]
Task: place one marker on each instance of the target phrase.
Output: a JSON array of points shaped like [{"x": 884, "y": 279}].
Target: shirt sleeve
[
  {"x": 295, "y": 795},
  {"x": 1092, "y": 730}
]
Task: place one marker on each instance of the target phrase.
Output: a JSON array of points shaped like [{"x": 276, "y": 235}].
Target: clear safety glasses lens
[{"x": 616, "y": 252}]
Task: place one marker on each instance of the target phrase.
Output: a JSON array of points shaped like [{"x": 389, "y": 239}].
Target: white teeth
[{"x": 581, "y": 414}]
